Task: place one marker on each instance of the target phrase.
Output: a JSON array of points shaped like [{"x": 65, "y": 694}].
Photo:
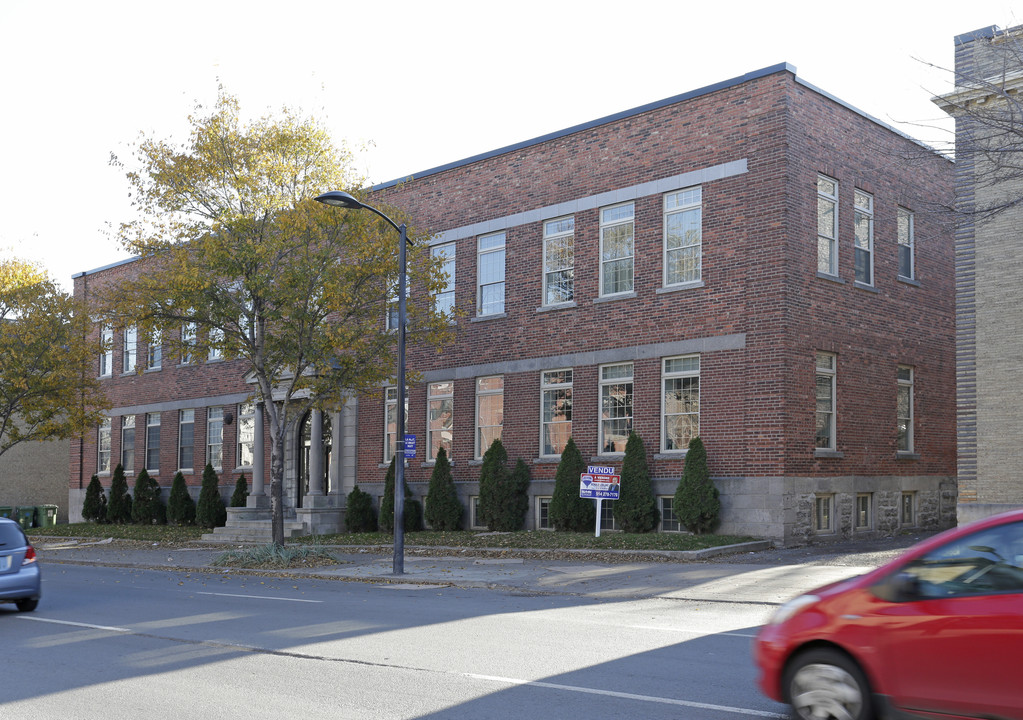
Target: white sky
[{"x": 426, "y": 83}]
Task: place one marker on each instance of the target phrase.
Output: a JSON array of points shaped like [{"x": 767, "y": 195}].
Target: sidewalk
[{"x": 754, "y": 572}]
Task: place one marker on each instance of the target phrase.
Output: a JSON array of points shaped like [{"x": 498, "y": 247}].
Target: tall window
[
  {"x": 827, "y": 225},
  {"x": 822, "y": 507},
  {"x": 189, "y": 335},
  {"x": 444, "y": 300},
  {"x": 615, "y": 407},
  {"x": 558, "y": 261},
  {"x": 680, "y": 403},
  {"x": 106, "y": 358},
  {"x": 863, "y": 236},
  {"x": 103, "y": 447},
  {"x": 825, "y": 401},
  {"x": 216, "y": 349},
  {"x": 131, "y": 347},
  {"x": 154, "y": 357},
  {"x": 617, "y": 229},
  {"x": 489, "y": 412},
  {"x": 907, "y": 509},
  {"x": 683, "y": 236},
  {"x": 391, "y": 316},
  {"x": 215, "y": 437},
  {"x": 904, "y": 403},
  {"x": 128, "y": 444},
  {"x": 246, "y": 434},
  {"x": 669, "y": 521},
  {"x": 490, "y": 274},
  {"x": 186, "y": 439},
  {"x": 439, "y": 409},
  {"x": 863, "y": 507},
  {"x": 556, "y": 400},
  {"x": 391, "y": 421},
  {"x": 907, "y": 241},
  {"x": 153, "y": 442}
]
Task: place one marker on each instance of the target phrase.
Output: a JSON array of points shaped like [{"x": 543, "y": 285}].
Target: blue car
[{"x": 20, "y": 582}]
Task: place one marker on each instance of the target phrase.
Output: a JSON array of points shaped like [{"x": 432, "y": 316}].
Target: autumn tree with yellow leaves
[
  {"x": 233, "y": 246},
  {"x": 48, "y": 390}
]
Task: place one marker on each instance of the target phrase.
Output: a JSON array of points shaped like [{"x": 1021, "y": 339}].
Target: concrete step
[{"x": 255, "y": 531}]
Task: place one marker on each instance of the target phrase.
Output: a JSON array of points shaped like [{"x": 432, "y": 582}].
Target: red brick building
[{"x": 754, "y": 262}]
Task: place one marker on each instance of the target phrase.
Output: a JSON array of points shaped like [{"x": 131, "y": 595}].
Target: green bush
[
  {"x": 147, "y": 507},
  {"x": 696, "y": 503},
  {"x": 568, "y": 511},
  {"x": 413, "y": 509},
  {"x": 443, "y": 509},
  {"x": 210, "y": 511},
  {"x": 492, "y": 484},
  {"x": 635, "y": 510},
  {"x": 180, "y": 505},
  {"x": 359, "y": 515},
  {"x": 94, "y": 509},
  {"x": 119, "y": 502},
  {"x": 241, "y": 492}
]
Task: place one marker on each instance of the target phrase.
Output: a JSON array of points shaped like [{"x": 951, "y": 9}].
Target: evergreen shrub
[
  {"x": 119, "y": 501},
  {"x": 147, "y": 507},
  {"x": 94, "y": 509},
  {"x": 210, "y": 511},
  {"x": 635, "y": 510},
  {"x": 359, "y": 514},
  {"x": 696, "y": 503},
  {"x": 443, "y": 509},
  {"x": 180, "y": 505},
  {"x": 241, "y": 492},
  {"x": 568, "y": 511}
]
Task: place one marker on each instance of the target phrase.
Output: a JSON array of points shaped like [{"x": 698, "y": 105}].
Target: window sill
[
  {"x": 832, "y": 278},
  {"x": 909, "y": 281},
  {"x": 547, "y": 460},
  {"x": 153, "y": 369},
  {"x": 493, "y": 316},
  {"x": 607, "y": 456},
  {"x": 822, "y": 453},
  {"x": 557, "y": 306},
  {"x": 612, "y": 298},
  {"x": 863, "y": 286},
  {"x": 903, "y": 455},
  {"x": 671, "y": 455},
  {"x": 680, "y": 287}
]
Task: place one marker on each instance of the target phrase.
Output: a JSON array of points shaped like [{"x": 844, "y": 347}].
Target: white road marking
[
  {"x": 258, "y": 597},
  {"x": 75, "y": 624},
  {"x": 627, "y": 696}
]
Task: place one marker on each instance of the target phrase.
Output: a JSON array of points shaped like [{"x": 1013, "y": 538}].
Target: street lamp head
[{"x": 338, "y": 198}]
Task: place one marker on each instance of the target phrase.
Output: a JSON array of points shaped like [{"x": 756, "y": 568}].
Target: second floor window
[
  {"x": 246, "y": 434},
  {"x": 683, "y": 236},
  {"x": 863, "y": 236},
  {"x": 186, "y": 439},
  {"x": 103, "y": 447},
  {"x": 558, "y": 261},
  {"x": 490, "y": 273},
  {"x": 216, "y": 345},
  {"x": 439, "y": 421},
  {"x": 489, "y": 412},
  {"x": 215, "y": 437},
  {"x": 907, "y": 242},
  {"x": 615, "y": 407},
  {"x": 153, "y": 442},
  {"x": 391, "y": 421},
  {"x": 904, "y": 411},
  {"x": 556, "y": 409},
  {"x": 825, "y": 435},
  {"x": 128, "y": 444},
  {"x": 617, "y": 247},
  {"x": 681, "y": 402},
  {"x": 189, "y": 336}
]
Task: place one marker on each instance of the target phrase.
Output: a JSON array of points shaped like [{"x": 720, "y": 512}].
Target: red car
[{"x": 937, "y": 633}]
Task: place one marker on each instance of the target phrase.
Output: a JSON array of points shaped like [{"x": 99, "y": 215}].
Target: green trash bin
[
  {"x": 46, "y": 515},
  {"x": 6, "y": 511},
  {"x": 26, "y": 516}
]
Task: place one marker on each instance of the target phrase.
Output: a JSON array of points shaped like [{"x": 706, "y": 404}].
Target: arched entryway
[{"x": 304, "y": 454}]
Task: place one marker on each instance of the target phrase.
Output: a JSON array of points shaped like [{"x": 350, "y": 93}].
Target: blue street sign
[{"x": 410, "y": 446}]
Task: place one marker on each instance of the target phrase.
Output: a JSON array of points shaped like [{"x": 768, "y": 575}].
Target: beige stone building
[{"x": 989, "y": 268}]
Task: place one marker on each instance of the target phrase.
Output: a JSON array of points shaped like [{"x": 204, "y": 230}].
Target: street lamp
[{"x": 341, "y": 199}]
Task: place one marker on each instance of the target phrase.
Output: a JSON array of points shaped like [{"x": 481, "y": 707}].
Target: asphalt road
[{"x": 112, "y": 643}]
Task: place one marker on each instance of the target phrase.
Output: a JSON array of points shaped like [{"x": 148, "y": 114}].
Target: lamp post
[{"x": 341, "y": 199}]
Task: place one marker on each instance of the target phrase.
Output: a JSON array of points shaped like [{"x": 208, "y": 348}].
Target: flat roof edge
[
  {"x": 105, "y": 267},
  {"x": 655, "y": 105}
]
